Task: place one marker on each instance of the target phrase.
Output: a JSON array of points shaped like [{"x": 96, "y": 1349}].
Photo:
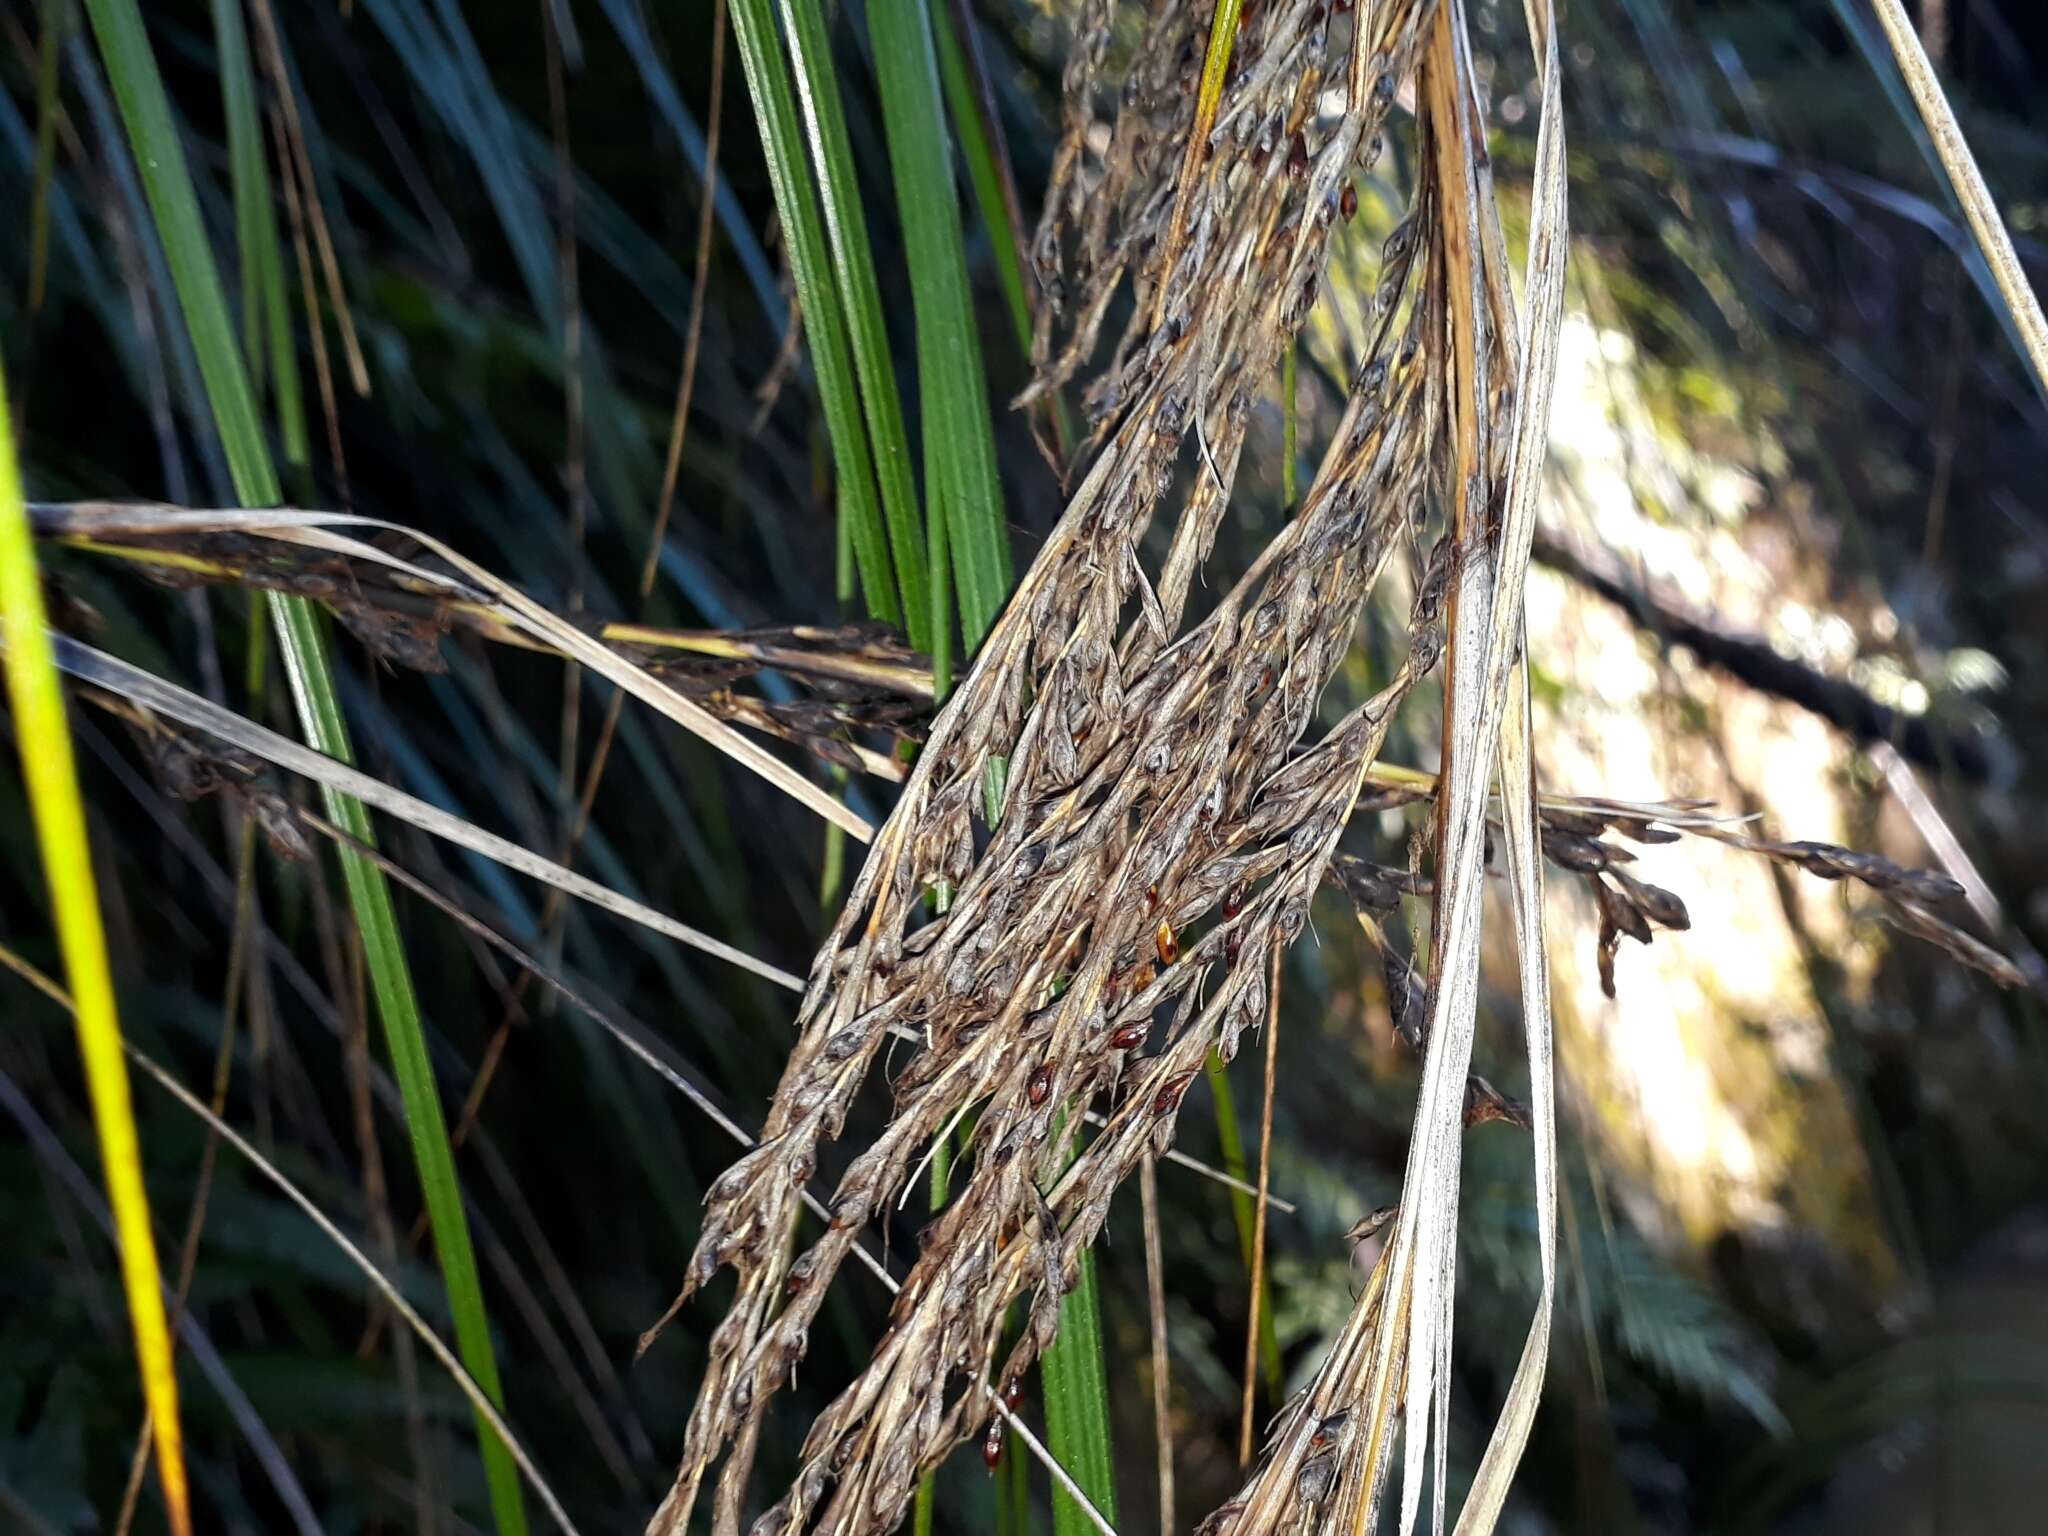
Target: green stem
[
  {"x": 1242, "y": 1211},
  {"x": 853, "y": 264},
  {"x": 951, "y": 379},
  {"x": 1077, "y": 1405},
  {"x": 942, "y": 1179}
]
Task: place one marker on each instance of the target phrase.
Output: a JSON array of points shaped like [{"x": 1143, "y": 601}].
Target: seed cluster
[{"x": 1115, "y": 806}]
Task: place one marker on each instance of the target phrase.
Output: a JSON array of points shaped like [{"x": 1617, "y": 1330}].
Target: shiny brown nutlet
[{"x": 1040, "y": 1085}]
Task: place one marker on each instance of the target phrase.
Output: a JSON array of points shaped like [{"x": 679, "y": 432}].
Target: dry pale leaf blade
[
  {"x": 1488, "y": 1494},
  {"x": 1424, "y": 1251},
  {"x": 1485, "y": 640},
  {"x": 1544, "y": 287},
  {"x": 95, "y": 519},
  {"x": 1537, "y": 374},
  {"x": 2022, "y": 304},
  {"x": 174, "y": 703}
]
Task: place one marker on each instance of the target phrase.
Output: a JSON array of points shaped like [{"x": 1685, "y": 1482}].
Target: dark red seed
[
  {"x": 1040, "y": 1084},
  {"x": 1347, "y": 202},
  {"x": 1169, "y": 1096},
  {"x": 1233, "y": 902},
  {"x": 1151, "y": 899},
  {"x": 1129, "y": 1035},
  {"x": 992, "y": 1446},
  {"x": 1013, "y": 1394}
]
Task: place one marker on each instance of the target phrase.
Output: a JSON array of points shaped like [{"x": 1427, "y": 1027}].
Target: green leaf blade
[
  {"x": 789, "y": 173},
  {"x": 145, "y": 110},
  {"x": 1077, "y": 1406},
  {"x": 952, "y": 382},
  {"x": 853, "y": 264}
]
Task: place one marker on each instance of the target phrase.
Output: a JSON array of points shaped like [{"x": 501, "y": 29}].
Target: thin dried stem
[
  {"x": 309, "y": 296},
  {"x": 1251, "y": 1337},
  {"x": 1954, "y": 152},
  {"x": 1155, "y": 1299},
  {"x": 299, "y": 163}
]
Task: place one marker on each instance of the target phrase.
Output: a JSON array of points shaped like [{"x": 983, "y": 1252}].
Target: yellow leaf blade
[{"x": 43, "y": 737}]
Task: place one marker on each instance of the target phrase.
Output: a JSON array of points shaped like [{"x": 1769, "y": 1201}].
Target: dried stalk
[{"x": 1326, "y": 1462}]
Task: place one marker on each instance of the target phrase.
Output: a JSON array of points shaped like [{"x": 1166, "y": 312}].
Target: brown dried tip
[
  {"x": 1905, "y": 895},
  {"x": 1486, "y": 1104},
  {"x": 1371, "y": 1225},
  {"x": 1407, "y": 997},
  {"x": 1917, "y": 920}
]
